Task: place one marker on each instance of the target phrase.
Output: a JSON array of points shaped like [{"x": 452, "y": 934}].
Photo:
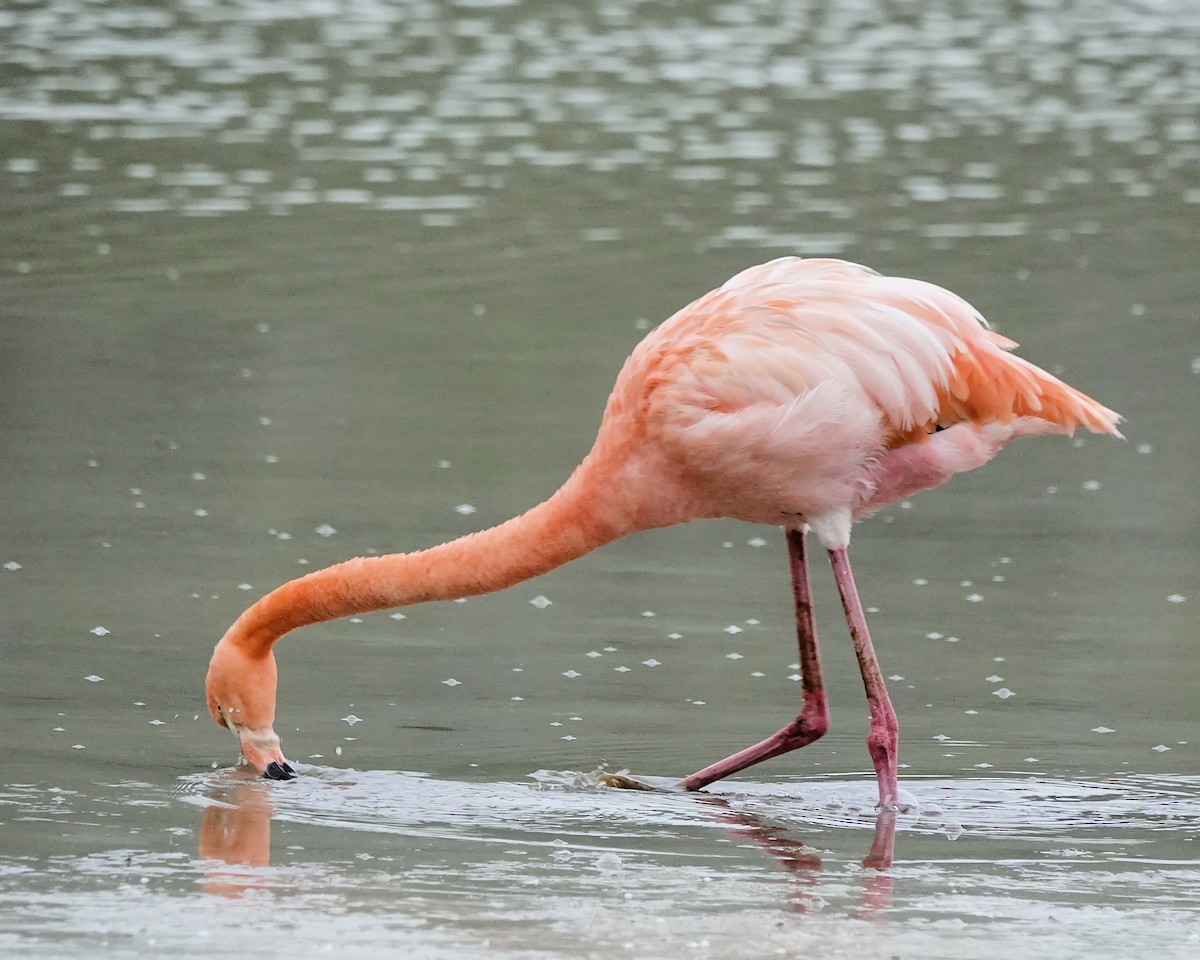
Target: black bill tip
[{"x": 280, "y": 771}]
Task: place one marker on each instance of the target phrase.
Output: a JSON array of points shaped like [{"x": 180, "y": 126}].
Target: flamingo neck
[{"x": 574, "y": 521}]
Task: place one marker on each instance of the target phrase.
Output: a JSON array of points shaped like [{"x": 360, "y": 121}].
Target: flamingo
[{"x": 803, "y": 393}]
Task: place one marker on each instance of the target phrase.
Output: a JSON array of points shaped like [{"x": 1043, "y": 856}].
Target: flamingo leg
[
  {"x": 883, "y": 737},
  {"x": 813, "y": 719}
]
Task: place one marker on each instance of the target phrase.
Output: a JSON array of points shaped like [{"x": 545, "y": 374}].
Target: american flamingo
[{"x": 805, "y": 394}]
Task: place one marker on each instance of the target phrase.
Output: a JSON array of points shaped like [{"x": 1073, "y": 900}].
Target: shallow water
[{"x": 282, "y": 284}]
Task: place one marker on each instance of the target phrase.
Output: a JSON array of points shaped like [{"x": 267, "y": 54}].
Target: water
[{"x": 282, "y": 284}]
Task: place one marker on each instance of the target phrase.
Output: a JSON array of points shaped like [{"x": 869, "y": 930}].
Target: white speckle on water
[
  {"x": 12, "y": 565},
  {"x": 156, "y": 723},
  {"x": 352, "y": 719},
  {"x": 934, "y": 635},
  {"x": 444, "y": 464},
  {"x": 465, "y": 509},
  {"x": 674, "y": 636},
  {"x": 756, "y": 542},
  {"x": 651, "y": 663},
  {"x": 271, "y": 458},
  {"x": 78, "y": 746},
  {"x": 995, "y": 679},
  {"x": 757, "y": 673},
  {"x": 895, "y": 678},
  {"x": 593, "y": 654},
  {"x": 540, "y": 602},
  {"x": 1003, "y": 693},
  {"x": 452, "y": 682},
  {"x": 733, "y": 628},
  {"x": 941, "y": 736},
  {"x": 1091, "y": 484},
  {"x": 608, "y": 861},
  {"x": 325, "y": 530},
  {"x": 649, "y": 613},
  {"x": 264, "y": 421},
  {"x": 974, "y": 597},
  {"x": 621, "y": 669},
  {"x": 93, "y": 678},
  {"x": 733, "y": 656},
  {"x": 1176, "y": 598},
  {"x": 1161, "y": 748},
  {"x": 100, "y": 631},
  {"x": 569, "y": 737},
  {"x": 983, "y": 766},
  {"x": 199, "y": 476},
  {"x": 1145, "y": 448},
  {"x": 245, "y": 586},
  {"x": 517, "y": 699},
  {"x": 571, "y": 674},
  {"x": 920, "y": 582},
  {"x": 1103, "y": 730}
]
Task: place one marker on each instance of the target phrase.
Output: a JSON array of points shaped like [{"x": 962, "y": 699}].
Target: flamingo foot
[{"x": 619, "y": 781}]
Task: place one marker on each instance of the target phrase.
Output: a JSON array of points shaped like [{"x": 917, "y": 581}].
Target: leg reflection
[{"x": 803, "y": 864}]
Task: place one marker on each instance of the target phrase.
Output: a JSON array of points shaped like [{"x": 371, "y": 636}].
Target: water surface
[{"x": 283, "y": 284}]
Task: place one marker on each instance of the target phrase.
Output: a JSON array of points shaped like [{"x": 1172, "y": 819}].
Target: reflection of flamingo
[
  {"x": 803, "y": 865},
  {"x": 803, "y": 393},
  {"x": 238, "y": 834}
]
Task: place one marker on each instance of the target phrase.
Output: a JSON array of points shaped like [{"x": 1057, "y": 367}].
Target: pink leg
[
  {"x": 884, "y": 735},
  {"x": 813, "y": 719}
]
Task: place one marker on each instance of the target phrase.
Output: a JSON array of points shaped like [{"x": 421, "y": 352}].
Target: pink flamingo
[{"x": 805, "y": 394}]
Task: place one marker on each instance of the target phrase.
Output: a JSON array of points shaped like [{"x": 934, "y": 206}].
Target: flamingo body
[{"x": 805, "y": 394}]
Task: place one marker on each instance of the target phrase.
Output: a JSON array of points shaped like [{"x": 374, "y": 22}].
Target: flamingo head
[{"x": 241, "y": 697}]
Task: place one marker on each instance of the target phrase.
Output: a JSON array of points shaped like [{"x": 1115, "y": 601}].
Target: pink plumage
[{"x": 805, "y": 394}]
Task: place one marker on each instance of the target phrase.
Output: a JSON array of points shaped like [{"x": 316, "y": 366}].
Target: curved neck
[{"x": 574, "y": 521}]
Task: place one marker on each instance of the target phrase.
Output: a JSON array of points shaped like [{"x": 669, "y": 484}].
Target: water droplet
[
  {"x": 93, "y": 678},
  {"x": 1003, "y": 693},
  {"x": 1103, "y": 730},
  {"x": 465, "y": 509},
  {"x": 452, "y": 682},
  {"x": 352, "y": 719},
  {"x": 324, "y": 530},
  {"x": 540, "y": 602}
]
